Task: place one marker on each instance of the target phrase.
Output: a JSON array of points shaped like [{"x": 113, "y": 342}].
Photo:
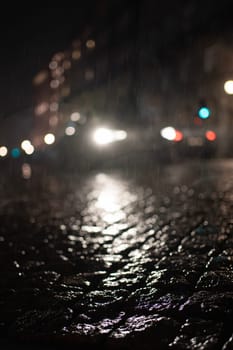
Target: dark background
[{"x": 29, "y": 36}]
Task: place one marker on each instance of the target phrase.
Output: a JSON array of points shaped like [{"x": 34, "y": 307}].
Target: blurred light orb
[
  {"x": 75, "y": 117},
  {"x": 76, "y": 54},
  {"x": 58, "y": 72},
  {"x": 53, "y": 65},
  {"x": 54, "y": 84},
  {"x": 41, "y": 108},
  {"x": 204, "y": 112},
  {"x": 179, "y": 136},
  {"x": 3, "y": 151},
  {"x": 66, "y": 65},
  {"x": 26, "y": 171},
  {"x": 49, "y": 139},
  {"x": 120, "y": 135},
  {"x": 210, "y": 135},
  {"x": 15, "y": 152},
  {"x": 53, "y": 107},
  {"x": 103, "y": 136},
  {"x": 29, "y": 150},
  {"x": 228, "y": 87},
  {"x": 168, "y": 133},
  {"x": 40, "y": 78},
  {"x": 25, "y": 144},
  {"x": 90, "y": 44},
  {"x": 53, "y": 120},
  {"x": 70, "y": 130}
]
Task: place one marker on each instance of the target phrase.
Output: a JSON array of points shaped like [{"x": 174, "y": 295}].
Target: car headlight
[{"x": 105, "y": 136}]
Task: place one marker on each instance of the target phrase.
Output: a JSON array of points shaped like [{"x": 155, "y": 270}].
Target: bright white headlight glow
[
  {"x": 120, "y": 135},
  {"x": 168, "y": 133},
  {"x": 104, "y": 136}
]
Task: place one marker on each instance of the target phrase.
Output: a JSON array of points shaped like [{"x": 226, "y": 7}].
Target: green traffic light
[{"x": 204, "y": 113}]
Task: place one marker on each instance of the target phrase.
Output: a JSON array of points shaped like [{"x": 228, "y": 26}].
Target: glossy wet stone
[{"x": 119, "y": 261}]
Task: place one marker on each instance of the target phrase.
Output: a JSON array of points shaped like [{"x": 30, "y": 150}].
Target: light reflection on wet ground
[{"x": 118, "y": 258}]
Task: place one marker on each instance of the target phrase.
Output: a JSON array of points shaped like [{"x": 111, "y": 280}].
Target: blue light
[
  {"x": 15, "y": 153},
  {"x": 204, "y": 112}
]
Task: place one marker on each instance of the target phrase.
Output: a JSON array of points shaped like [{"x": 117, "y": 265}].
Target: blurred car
[{"x": 190, "y": 142}]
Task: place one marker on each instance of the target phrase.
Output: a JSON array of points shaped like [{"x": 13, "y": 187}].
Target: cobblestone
[{"x": 119, "y": 261}]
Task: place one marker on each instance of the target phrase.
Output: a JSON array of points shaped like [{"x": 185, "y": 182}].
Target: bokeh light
[
  {"x": 25, "y": 144},
  {"x": 53, "y": 120},
  {"x": 76, "y": 54},
  {"x": 179, "y": 136},
  {"x": 15, "y": 152},
  {"x": 228, "y": 87},
  {"x": 3, "y": 151},
  {"x": 210, "y": 135},
  {"x": 54, "y": 84},
  {"x": 90, "y": 44},
  {"x": 49, "y": 139},
  {"x": 40, "y": 78},
  {"x": 104, "y": 136},
  {"x": 53, "y": 107},
  {"x": 204, "y": 112},
  {"x": 41, "y": 108},
  {"x": 120, "y": 135},
  {"x": 26, "y": 171},
  {"x": 70, "y": 130},
  {"x": 168, "y": 133},
  {"x": 53, "y": 65},
  {"x": 29, "y": 150},
  {"x": 75, "y": 117}
]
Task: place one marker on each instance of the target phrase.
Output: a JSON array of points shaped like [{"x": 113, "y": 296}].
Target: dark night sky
[{"x": 29, "y": 40}]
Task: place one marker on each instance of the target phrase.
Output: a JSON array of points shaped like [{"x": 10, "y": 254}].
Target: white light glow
[
  {"x": 168, "y": 133},
  {"x": 29, "y": 150},
  {"x": 70, "y": 130},
  {"x": 75, "y": 117},
  {"x": 120, "y": 135},
  {"x": 49, "y": 139},
  {"x": 104, "y": 136},
  {"x": 3, "y": 151},
  {"x": 228, "y": 87},
  {"x": 25, "y": 144}
]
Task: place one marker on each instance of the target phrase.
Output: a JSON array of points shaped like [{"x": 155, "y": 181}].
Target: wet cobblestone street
[{"x": 119, "y": 259}]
